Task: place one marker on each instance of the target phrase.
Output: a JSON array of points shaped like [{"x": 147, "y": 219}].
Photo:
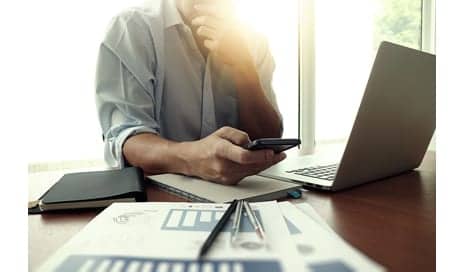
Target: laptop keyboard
[{"x": 326, "y": 172}]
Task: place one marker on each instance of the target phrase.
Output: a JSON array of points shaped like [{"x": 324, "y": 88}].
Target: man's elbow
[{"x": 278, "y": 132}]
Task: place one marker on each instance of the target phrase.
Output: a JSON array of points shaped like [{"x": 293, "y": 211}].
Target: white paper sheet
[
  {"x": 322, "y": 250},
  {"x": 168, "y": 236},
  {"x": 311, "y": 212}
]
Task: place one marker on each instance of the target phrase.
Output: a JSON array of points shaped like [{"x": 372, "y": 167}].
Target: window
[
  {"x": 347, "y": 35},
  {"x": 64, "y": 39}
]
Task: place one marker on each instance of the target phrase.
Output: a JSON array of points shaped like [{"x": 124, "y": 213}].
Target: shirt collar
[{"x": 171, "y": 14}]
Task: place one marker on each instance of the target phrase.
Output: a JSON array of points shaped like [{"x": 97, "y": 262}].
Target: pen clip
[
  {"x": 236, "y": 223},
  {"x": 254, "y": 221}
]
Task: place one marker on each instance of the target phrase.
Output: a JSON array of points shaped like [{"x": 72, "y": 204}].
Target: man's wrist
[{"x": 183, "y": 155}]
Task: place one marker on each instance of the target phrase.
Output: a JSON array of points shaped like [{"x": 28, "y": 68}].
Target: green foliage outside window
[{"x": 399, "y": 22}]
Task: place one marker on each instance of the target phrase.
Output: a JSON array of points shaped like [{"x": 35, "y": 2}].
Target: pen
[
  {"x": 254, "y": 220},
  {"x": 236, "y": 222},
  {"x": 217, "y": 229}
]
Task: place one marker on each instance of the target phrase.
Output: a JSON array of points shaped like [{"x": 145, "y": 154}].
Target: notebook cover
[{"x": 101, "y": 185}]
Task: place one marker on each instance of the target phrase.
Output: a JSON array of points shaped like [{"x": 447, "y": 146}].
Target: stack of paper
[{"x": 167, "y": 237}]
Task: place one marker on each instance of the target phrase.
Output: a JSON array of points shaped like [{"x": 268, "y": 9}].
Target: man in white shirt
[{"x": 181, "y": 88}]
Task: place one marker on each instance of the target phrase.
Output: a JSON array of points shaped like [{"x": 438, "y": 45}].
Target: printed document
[{"x": 167, "y": 237}]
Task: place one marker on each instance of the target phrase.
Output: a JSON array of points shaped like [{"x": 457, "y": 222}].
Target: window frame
[
  {"x": 428, "y": 26},
  {"x": 307, "y": 77}
]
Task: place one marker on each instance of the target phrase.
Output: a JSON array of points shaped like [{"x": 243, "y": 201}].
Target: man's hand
[
  {"x": 221, "y": 34},
  {"x": 221, "y": 158}
]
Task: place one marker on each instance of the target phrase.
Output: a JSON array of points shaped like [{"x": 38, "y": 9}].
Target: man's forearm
[
  {"x": 256, "y": 113},
  {"x": 155, "y": 155},
  {"x": 218, "y": 157}
]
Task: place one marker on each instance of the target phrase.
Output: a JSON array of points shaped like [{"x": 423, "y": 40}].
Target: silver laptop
[{"x": 392, "y": 130}]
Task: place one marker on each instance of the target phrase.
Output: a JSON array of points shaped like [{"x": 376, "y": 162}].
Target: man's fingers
[
  {"x": 279, "y": 157},
  {"x": 262, "y": 166},
  {"x": 233, "y": 135},
  {"x": 211, "y": 45},
  {"x": 235, "y": 153},
  {"x": 255, "y": 168},
  {"x": 230, "y": 147},
  {"x": 208, "y": 33}
]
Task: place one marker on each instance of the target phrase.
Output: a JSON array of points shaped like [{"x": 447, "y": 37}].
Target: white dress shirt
[{"x": 151, "y": 77}]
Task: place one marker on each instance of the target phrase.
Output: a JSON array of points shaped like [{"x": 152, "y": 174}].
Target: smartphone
[{"x": 276, "y": 144}]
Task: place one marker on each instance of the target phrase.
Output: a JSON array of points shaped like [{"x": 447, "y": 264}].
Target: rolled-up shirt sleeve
[{"x": 125, "y": 86}]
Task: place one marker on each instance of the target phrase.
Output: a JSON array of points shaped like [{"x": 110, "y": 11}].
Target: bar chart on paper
[
  {"x": 91, "y": 263},
  {"x": 201, "y": 220}
]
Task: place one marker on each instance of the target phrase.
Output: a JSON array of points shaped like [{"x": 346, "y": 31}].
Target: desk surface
[{"x": 391, "y": 221}]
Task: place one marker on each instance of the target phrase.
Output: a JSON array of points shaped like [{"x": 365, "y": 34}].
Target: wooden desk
[{"x": 392, "y": 221}]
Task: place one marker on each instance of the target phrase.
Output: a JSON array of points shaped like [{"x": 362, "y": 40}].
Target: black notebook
[{"x": 92, "y": 190}]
